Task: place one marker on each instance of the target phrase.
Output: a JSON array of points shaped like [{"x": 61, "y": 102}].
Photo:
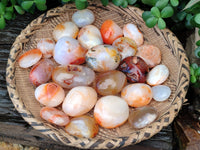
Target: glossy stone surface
[
  {"x": 83, "y": 17},
  {"x": 131, "y": 31},
  {"x": 41, "y": 72},
  {"x": 50, "y": 94},
  {"x": 158, "y": 75},
  {"x": 68, "y": 28},
  {"x": 69, "y": 51},
  {"x": 83, "y": 126},
  {"x": 73, "y": 75},
  {"x": 46, "y": 46},
  {"x": 54, "y": 116},
  {"x": 103, "y": 58},
  {"x": 89, "y": 36},
  {"x": 29, "y": 58},
  {"x": 110, "y": 83},
  {"x": 135, "y": 69},
  {"x": 161, "y": 92},
  {"x": 150, "y": 54},
  {"x": 141, "y": 117},
  {"x": 111, "y": 111},
  {"x": 110, "y": 31},
  {"x": 125, "y": 46},
  {"x": 137, "y": 94},
  {"x": 79, "y": 100}
]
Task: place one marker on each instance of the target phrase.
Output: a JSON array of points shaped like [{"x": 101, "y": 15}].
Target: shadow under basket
[{"x": 173, "y": 56}]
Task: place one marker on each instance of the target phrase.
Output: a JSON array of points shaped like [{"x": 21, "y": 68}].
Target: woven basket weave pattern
[{"x": 22, "y": 92}]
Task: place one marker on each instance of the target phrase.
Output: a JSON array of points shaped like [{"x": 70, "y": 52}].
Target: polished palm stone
[{"x": 141, "y": 117}]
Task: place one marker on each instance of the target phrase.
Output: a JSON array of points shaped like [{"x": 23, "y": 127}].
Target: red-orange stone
[{"x": 110, "y": 31}]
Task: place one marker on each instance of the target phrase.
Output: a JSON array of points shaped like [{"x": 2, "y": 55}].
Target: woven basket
[{"x": 22, "y": 92}]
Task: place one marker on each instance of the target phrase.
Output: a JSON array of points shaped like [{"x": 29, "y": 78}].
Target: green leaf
[
  {"x": 32, "y": 9},
  {"x": 197, "y": 52},
  {"x": 174, "y": 3},
  {"x": 191, "y": 3},
  {"x": 197, "y": 72},
  {"x": 131, "y": 2},
  {"x": 155, "y": 11},
  {"x": 181, "y": 15},
  {"x": 188, "y": 21},
  {"x": 2, "y": 23},
  {"x": 194, "y": 9},
  {"x": 161, "y": 23},
  {"x": 13, "y": 2},
  {"x": 161, "y": 4},
  {"x": 41, "y": 7},
  {"x": 167, "y": 12},
  {"x": 10, "y": 9},
  {"x": 26, "y": 5},
  {"x": 137, "y": 5},
  {"x": 80, "y": 5},
  {"x": 199, "y": 32},
  {"x": 194, "y": 65},
  {"x": 189, "y": 17},
  {"x": 149, "y": 2},
  {"x": 151, "y": 22},
  {"x": 197, "y": 18},
  {"x": 40, "y": 2},
  {"x": 191, "y": 71},
  {"x": 8, "y": 15},
  {"x": 146, "y": 15},
  {"x": 19, "y": 10},
  {"x": 117, "y": 2},
  {"x": 5, "y": 2},
  {"x": 193, "y": 79},
  {"x": 188, "y": 25},
  {"x": 65, "y": 1},
  {"x": 198, "y": 43},
  {"x": 19, "y": 1},
  {"x": 124, "y": 4},
  {"x": 2, "y": 8},
  {"x": 83, "y": 0},
  {"x": 105, "y": 2}
]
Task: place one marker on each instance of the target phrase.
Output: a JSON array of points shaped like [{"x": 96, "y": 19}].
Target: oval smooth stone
[
  {"x": 79, "y": 101},
  {"x": 141, "y": 117},
  {"x": 137, "y": 94},
  {"x": 46, "y": 46},
  {"x": 69, "y": 51},
  {"x": 89, "y": 36},
  {"x": 125, "y": 46},
  {"x": 68, "y": 29},
  {"x": 50, "y": 94},
  {"x": 135, "y": 69},
  {"x": 29, "y": 58},
  {"x": 41, "y": 72},
  {"x": 54, "y": 116},
  {"x": 83, "y": 17},
  {"x": 110, "y": 83},
  {"x": 103, "y": 58},
  {"x": 110, "y": 31},
  {"x": 161, "y": 92},
  {"x": 83, "y": 126},
  {"x": 111, "y": 111},
  {"x": 73, "y": 75},
  {"x": 150, "y": 54},
  {"x": 131, "y": 31},
  {"x": 158, "y": 75}
]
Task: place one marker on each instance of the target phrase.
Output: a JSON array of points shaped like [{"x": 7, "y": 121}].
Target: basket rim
[{"x": 88, "y": 143}]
